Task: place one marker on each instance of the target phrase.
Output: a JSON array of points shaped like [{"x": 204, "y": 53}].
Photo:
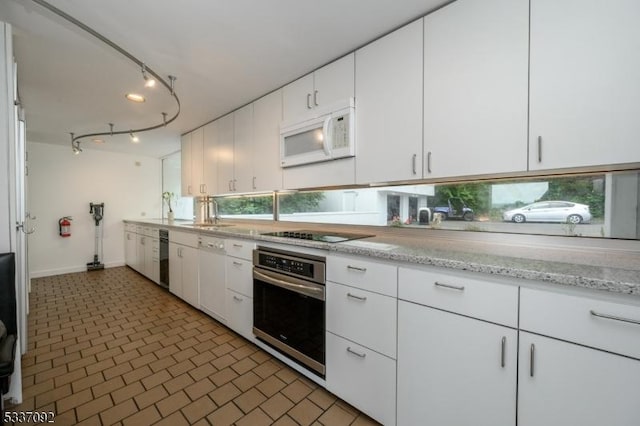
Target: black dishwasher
[{"x": 164, "y": 258}]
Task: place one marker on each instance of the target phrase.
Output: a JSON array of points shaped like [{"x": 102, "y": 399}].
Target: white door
[
  {"x": 297, "y": 98},
  {"x": 175, "y": 269},
  {"x": 190, "y": 288},
  {"x": 267, "y": 115},
  {"x": 185, "y": 166},
  {"x": 569, "y": 384},
  {"x": 242, "y": 149},
  {"x": 585, "y": 88},
  {"x": 210, "y": 158},
  {"x": 334, "y": 82},
  {"x": 475, "y": 88},
  {"x": 225, "y": 154},
  {"x": 197, "y": 172},
  {"x": 454, "y": 370},
  {"x": 212, "y": 283},
  {"x": 389, "y": 107}
]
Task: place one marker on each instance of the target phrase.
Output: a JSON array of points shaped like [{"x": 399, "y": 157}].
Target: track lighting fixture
[
  {"x": 149, "y": 76},
  {"x": 148, "y": 81}
]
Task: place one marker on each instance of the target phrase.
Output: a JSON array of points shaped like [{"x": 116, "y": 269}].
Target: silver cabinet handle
[
  {"x": 238, "y": 299},
  {"x": 615, "y": 318},
  {"x": 308, "y": 100},
  {"x": 253, "y": 184},
  {"x": 237, "y": 263},
  {"x": 210, "y": 245},
  {"x": 429, "y": 161},
  {"x": 503, "y": 351},
  {"x": 360, "y": 298},
  {"x": 204, "y": 188},
  {"x": 539, "y": 149},
  {"x": 532, "y": 356},
  {"x": 413, "y": 163},
  {"x": 238, "y": 245},
  {"x": 234, "y": 184},
  {"x": 189, "y": 189},
  {"x": 358, "y": 354},
  {"x": 230, "y": 186},
  {"x": 315, "y": 98},
  {"x": 356, "y": 268},
  {"x": 142, "y": 241},
  {"x": 452, "y": 287}
]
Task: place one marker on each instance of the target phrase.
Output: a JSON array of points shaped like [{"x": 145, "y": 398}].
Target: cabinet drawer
[
  {"x": 240, "y": 314},
  {"x": 139, "y": 229},
  {"x": 239, "y": 275},
  {"x": 130, "y": 227},
  {"x": 368, "y": 275},
  {"x": 184, "y": 238},
  {"x": 240, "y": 248},
  {"x": 460, "y": 293},
  {"x": 363, "y": 378},
  {"x": 362, "y": 316},
  {"x": 580, "y": 319}
]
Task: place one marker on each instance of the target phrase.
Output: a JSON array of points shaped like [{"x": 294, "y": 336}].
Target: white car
[{"x": 550, "y": 211}]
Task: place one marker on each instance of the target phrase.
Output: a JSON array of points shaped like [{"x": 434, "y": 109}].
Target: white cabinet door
[
  {"x": 296, "y": 98},
  {"x": 210, "y": 158},
  {"x": 240, "y": 314},
  {"x": 334, "y": 82},
  {"x": 363, "y": 378},
  {"x": 175, "y": 269},
  {"x": 197, "y": 171},
  {"x": 190, "y": 289},
  {"x": 584, "y": 83},
  {"x": 389, "y": 107},
  {"x": 130, "y": 249},
  {"x": 267, "y": 115},
  {"x": 324, "y": 87},
  {"x": 575, "y": 385},
  {"x": 140, "y": 253},
  {"x": 454, "y": 370},
  {"x": 185, "y": 166},
  {"x": 225, "y": 154},
  {"x": 475, "y": 88},
  {"x": 212, "y": 283},
  {"x": 242, "y": 149}
]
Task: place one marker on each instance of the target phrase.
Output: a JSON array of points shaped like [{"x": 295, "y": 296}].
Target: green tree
[
  {"x": 584, "y": 190},
  {"x": 476, "y": 196},
  {"x": 301, "y": 202}
]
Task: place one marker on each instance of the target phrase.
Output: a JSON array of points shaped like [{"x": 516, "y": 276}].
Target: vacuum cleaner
[{"x": 97, "y": 211}]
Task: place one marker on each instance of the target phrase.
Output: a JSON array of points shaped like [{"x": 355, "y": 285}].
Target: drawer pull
[
  {"x": 236, "y": 298},
  {"x": 237, "y": 263},
  {"x": 503, "y": 351},
  {"x": 532, "y": 357},
  {"x": 358, "y": 354},
  {"x": 356, "y": 268},
  {"x": 360, "y": 298},
  {"x": 452, "y": 287},
  {"x": 615, "y": 318},
  {"x": 238, "y": 245}
]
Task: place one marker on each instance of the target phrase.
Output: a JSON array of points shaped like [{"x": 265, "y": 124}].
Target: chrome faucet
[{"x": 216, "y": 217}]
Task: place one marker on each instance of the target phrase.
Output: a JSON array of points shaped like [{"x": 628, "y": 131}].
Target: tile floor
[{"x": 110, "y": 347}]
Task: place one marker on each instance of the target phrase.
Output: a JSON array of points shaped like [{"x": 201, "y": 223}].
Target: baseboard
[{"x": 70, "y": 269}]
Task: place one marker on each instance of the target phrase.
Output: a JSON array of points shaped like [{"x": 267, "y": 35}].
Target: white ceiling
[{"x": 225, "y": 54}]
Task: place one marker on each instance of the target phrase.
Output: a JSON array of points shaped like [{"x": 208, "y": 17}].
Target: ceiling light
[
  {"x": 134, "y": 138},
  {"x": 148, "y": 81},
  {"x": 134, "y": 97},
  {"x": 98, "y": 141}
]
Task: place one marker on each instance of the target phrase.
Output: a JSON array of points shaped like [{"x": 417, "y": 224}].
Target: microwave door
[{"x": 304, "y": 144}]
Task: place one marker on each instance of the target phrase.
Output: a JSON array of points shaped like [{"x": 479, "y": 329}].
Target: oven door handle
[{"x": 308, "y": 290}]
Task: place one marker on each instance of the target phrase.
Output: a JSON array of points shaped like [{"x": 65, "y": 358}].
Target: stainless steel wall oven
[{"x": 288, "y": 305}]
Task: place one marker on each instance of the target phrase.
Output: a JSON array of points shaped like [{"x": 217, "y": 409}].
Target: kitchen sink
[{"x": 207, "y": 225}]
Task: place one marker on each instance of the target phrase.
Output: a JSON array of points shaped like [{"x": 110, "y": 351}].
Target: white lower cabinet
[
  {"x": 130, "y": 249},
  {"x": 363, "y": 378},
  {"x": 183, "y": 267},
  {"x": 240, "y": 314},
  {"x": 212, "y": 281},
  {"x": 454, "y": 370},
  {"x": 564, "y": 384}
]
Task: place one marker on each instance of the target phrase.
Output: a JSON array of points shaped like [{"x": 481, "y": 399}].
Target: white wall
[{"x": 63, "y": 184}]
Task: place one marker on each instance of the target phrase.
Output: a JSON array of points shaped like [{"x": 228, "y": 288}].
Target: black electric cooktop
[{"x": 325, "y": 237}]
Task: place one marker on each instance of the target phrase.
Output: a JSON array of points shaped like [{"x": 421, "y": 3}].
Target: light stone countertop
[{"x": 594, "y": 263}]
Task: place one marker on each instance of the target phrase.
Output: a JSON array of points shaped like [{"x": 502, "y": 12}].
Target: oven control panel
[{"x": 291, "y": 264}]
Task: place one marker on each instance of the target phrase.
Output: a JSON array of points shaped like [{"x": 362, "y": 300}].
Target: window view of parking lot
[{"x": 602, "y": 205}]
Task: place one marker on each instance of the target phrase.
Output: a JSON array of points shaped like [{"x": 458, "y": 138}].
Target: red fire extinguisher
[{"x": 64, "y": 225}]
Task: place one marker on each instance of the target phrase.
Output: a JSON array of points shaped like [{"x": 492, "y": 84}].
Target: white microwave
[{"x": 327, "y": 135}]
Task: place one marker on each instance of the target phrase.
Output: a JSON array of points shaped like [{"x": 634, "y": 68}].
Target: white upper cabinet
[
  {"x": 242, "y": 149},
  {"x": 328, "y": 85},
  {"x": 210, "y": 158},
  {"x": 185, "y": 165},
  {"x": 225, "y": 154},
  {"x": 197, "y": 167},
  {"x": 475, "y": 88},
  {"x": 585, "y": 88},
  {"x": 389, "y": 107},
  {"x": 267, "y": 115}
]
